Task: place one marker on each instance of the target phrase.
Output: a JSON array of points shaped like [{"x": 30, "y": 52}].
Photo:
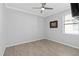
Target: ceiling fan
[{"x": 43, "y": 7}]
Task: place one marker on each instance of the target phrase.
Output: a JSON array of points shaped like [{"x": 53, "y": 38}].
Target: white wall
[
  {"x": 57, "y": 34},
  {"x": 23, "y": 27},
  {"x": 3, "y": 29},
  {"x": 18, "y": 27}
]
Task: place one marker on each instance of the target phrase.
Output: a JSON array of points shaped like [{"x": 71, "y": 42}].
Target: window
[{"x": 71, "y": 25}]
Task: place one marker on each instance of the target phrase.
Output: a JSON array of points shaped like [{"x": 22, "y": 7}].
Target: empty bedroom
[{"x": 39, "y": 29}]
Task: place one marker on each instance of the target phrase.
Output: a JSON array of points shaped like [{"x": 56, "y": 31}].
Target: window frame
[{"x": 63, "y": 23}]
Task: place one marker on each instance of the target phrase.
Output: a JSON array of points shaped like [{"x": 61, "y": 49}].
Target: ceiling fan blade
[
  {"x": 36, "y": 7},
  {"x": 48, "y": 8}
]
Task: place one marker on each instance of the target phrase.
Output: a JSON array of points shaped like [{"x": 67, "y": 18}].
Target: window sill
[{"x": 72, "y": 33}]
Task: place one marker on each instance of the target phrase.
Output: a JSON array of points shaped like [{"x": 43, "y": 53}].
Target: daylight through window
[{"x": 71, "y": 25}]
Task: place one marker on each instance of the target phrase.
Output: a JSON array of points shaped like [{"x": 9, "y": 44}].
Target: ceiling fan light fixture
[{"x": 43, "y": 9}]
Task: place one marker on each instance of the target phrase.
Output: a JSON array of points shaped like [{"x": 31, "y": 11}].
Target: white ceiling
[{"x": 28, "y": 7}]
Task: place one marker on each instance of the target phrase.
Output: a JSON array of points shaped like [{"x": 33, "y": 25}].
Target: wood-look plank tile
[{"x": 41, "y": 48}]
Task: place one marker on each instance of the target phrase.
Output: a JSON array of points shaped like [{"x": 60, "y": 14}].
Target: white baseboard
[
  {"x": 17, "y": 43},
  {"x": 3, "y": 50},
  {"x": 21, "y": 42},
  {"x": 67, "y": 44}
]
